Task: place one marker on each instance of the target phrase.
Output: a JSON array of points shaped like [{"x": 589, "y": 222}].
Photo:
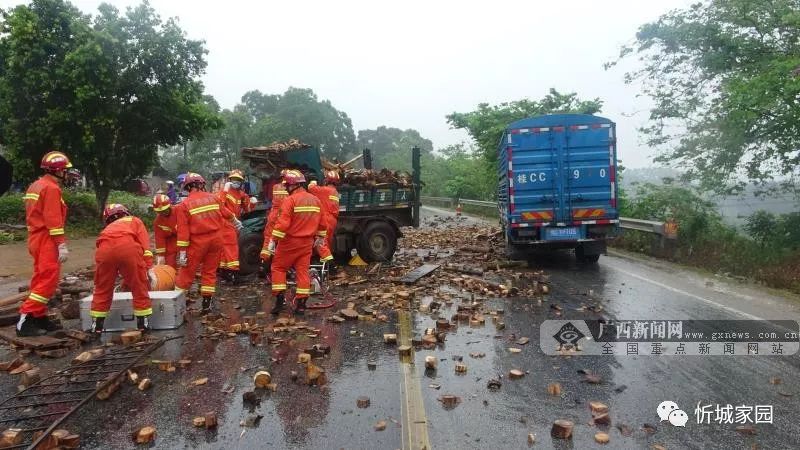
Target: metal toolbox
[{"x": 169, "y": 308}]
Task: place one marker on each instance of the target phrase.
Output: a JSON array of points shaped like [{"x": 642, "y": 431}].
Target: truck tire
[
  {"x": 583, "y": 258},
  {"x": 377, "y": 243},
  {"x": 250, "y": 252}
]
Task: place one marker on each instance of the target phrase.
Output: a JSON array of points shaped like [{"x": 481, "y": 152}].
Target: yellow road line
[{"x": 415, "y": 422}]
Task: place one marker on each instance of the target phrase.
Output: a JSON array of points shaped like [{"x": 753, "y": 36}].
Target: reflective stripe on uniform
[
  {"x": 303, "y": 291},
  {"x": 231, "y": 198},
  {"x": 165, "y": 228},
  {"x": 334, "y": 198},
  {"x": 148, "y": 253},
  {"x": 56, "y": 231},
  {"x": 278, "y": 287},
  {"x": 31, "y": 196},
  {"x": 161, "y": 250},
  {"x": 303, "y": 209},
  {"x": 161, "y": 208},
  {"x": 202, "y": 209},
  {"x": 280, "y": 192},
  {"x": 322, "y": 233},
  {"x": 183, "y": 243},
  {"x": 143, "y": 312},
  {"x": 208, "y": 289},
  {"x": 327, "y": 258},
  {"x": 36, "y": 297},
  {"x": 93, "y": 313},
  {"x": 278, "y": 234}
]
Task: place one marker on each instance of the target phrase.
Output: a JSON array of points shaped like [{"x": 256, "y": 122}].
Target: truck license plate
[{"x": 555, "y": 234}]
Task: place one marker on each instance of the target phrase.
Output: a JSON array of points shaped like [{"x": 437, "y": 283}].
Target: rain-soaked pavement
[{"x": 298, "y": 416}]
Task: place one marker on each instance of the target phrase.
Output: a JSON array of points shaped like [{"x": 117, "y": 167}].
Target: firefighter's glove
[
  {"x": 151, "y": 277},
  {"x": 238, "y": 224},
  {"x": 271, "y": 247},
  {"x": 182, "y": 258},
  {"x": 62, "y": 252},
  {"x": 160, "y": 260},
  {"x": 319, "y": 241},
  {"x": 253, "y": 200}
]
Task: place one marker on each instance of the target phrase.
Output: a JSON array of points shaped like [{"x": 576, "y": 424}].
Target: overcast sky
[{"x": 408, "y": 64}]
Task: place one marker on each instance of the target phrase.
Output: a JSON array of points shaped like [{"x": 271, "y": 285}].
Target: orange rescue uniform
[
  {"x": 299, "y": 222},
  {"x": 123, "y": 247},
  {"x": 279, "y": 194},
  {"x": 329, "y": 197},
  {"x": 45, "y": 215},
  {"x": 165, "y": 229},
  {"x": 238, "y": 203},
  {"x": 201, "y": 220}
]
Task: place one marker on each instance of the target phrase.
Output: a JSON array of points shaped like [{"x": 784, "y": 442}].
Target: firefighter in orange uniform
[
  {"x": 279, "y": 194},
  {"x": 45, "y": 214},
  {"x": 299, "y": 228},
  {"x": 201, "y": 221},
  {"x": 238, "y": 202},
  {"x": 123, "y": 248},
  {"x": 329, "y": 197},
  {"x": 165, "y": 229}
]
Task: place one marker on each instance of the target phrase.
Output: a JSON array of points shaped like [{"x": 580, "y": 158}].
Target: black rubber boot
[
  {"x": 28, "y": 327},
  {"x": 300, "y": 306},
  {"x": 97, "y": 327},
  {"x": 143, "y": 323},
  {"x": 279, "y": 302},
  {"x": 46, "y": 324},
  {"x": 206, "y": 305}
]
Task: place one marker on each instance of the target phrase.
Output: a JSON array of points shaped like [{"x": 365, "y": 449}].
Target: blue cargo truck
[{"x": 557, "y": 185}]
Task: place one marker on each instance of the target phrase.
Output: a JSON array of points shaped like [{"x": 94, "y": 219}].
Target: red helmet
[
  {"x": 193, "y": 178},
  {"x": 114, "y": 211},
  {"x": 332, "y": 176},
  {"x": 236, "y": 174},
  {"x": 292, "y": 177},
  {"x": 54, "y": 161},
  {"x": 161, "y": 202}
]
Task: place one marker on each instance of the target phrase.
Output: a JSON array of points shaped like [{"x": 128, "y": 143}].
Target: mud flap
[{"x": 591, "y": 248}]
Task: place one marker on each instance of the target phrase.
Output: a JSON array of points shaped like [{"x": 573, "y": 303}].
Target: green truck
[{"x": 370, "y": 218}]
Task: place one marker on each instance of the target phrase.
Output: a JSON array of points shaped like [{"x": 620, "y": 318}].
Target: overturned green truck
[{"x": 370, "y": 216}]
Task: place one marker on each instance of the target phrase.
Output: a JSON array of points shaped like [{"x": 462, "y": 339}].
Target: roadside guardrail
[{"x": 668, "y": 230}]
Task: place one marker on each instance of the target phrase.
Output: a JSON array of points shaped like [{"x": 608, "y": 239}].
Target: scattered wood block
[
  {"x": 145, "y": 435},
  {"x": 562, "y": 429},
  {"x": 88, "y": 355},
  {"x": 200, "y": 381},
  {"x": 461, "y": 368},
  {"x": 30, "y": 377},
  {"x": 514, "y": 350},
  {"x": 449, "y": 401},
  {"x": 55, "y": 353},
  {"x": 184, "y": 363},
  {"x": 11, "y": 437},
  {"x": 22, "y": 368},
  {"x": 199, "y": 421},
  {"x": 349, "y": 314},
  {"x": 131, "y": 337},
  {"x": 598, "y": 407},
  {"x": 58, "y": 439},
  {"x": 165, "y": 365},
  {"x": 523, "y": 341},
  {"x": 602, "y": 438},
  {"x": 431, "y": 362},
  {"x": 405, "y": 350},
  {"x": 133, "y": 377},
  {"x": 255, "y": 337},
  {"x": 601, "y": 419},
  {"x": 362, "y": 402},
  {"x": 494, "y": 384},
  {"x": 775, "y": 380},
  {"x": 531, "y": 438},
  {"x": 429, "y": 340},
  {"x": 11, "y": 365},
  {"x": 303, "y": 358},
  {"x": 442, "y": 324},
  {"x": 250, "y": 398},
  {"x": 109, "y": 390},
  {"x": 554, "y": 389},
  {"x": 313, "y": 373},
  {"x": 145, "y": 384},
  {"x": 210, "y": 419},
  {"x": 262, "y": 378},
  {"x": 515, "y": 374},
  {"x": 380, "y": 425},
  {"x": 390, "y": 338}
]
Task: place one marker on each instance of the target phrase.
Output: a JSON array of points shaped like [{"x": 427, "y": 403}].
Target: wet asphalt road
[{"x": 298, "y": 416}]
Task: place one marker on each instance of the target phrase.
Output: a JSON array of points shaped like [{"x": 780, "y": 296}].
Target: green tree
[
  {"x": 125, "y": 86},
  {"x": 486, "y": 124},
  {"x": 723, "y": 75},
  {"x": 384, "y": 141}
]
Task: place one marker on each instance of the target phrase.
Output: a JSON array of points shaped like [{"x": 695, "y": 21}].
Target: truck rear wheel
[
  {"x": 250, "y": 253},
  {"x": 377, "y": 243}
]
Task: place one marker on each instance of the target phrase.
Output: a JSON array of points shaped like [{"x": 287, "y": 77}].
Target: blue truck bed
[{"x": 557, "y": 183}]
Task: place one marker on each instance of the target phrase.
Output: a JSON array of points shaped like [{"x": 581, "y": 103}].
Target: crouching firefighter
[
  {"x": 165, "y": 229},
  {"x": 45, "y": 214},
  {"x": 123, "y": 248},
  {"x": 202, "y": 219},
  {"x": 298, "y": 229}
]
